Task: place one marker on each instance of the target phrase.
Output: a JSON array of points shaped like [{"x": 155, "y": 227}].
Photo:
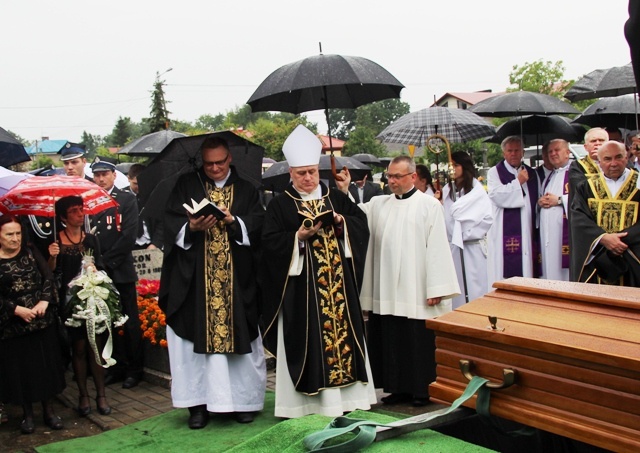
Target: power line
[{"x": 73, "y": 105}]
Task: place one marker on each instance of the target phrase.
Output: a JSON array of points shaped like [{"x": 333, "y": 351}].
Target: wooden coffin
[{"x": 574, "y": 348}]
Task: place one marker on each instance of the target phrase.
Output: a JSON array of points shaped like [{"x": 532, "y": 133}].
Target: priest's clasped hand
[
  {"x": 201, "y": 223},
  {"x": 305, "y": 233},
  {"x": 434, "y": 301}
]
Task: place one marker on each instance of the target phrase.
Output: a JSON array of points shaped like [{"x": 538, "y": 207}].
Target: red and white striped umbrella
[{"x": 37, "y": 196}]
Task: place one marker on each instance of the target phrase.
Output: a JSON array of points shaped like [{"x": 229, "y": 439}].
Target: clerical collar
[
  {"x": 622, "y": 177},
  {"x": 315, "y": 194},
  {"x": 404, "y": 196}
]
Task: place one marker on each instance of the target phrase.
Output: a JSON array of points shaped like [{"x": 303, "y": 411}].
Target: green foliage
[
  {"x": 210, "y": 123},
  {"x": 121, "y": 134},
  {"x": 272, "y": 133},
  {"x": 40, "y": 162},
  {"x": 91, "y": 143},
  {"x": 20, "y": 139},
  {"x": 375, "y": 117},
  {"x": 363, "y": 140},
  {"x": 159, "y": 115},
  {"x": 541, "y": 77}
]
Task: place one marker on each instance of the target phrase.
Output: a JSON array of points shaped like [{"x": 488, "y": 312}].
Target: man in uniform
[
  {"x": 554, "y": 228},
  {"x": 513, "y": 237},
  {"x": 409, "y": 277},
  {"x": 209, "y": 293},
  {"x": 604, "y": 222},
  {"x": 312, "y": 272},
  {"x": 115, "y": 229}
]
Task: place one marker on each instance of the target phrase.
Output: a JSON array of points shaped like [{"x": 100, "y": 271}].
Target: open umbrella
[
  {"x": 11, "y": 150},
  {"x": 614, "y": 112},
  {"x": 8, "y": 179},
  {"x": 37, "y": 196},
  {"x": 456, "y": 125},
  {"x": 324, "y": 82},
  {"x": 150, "y": 144},
  {"x": 521, "y": 103},
  {"x": 276, "y": 177},
  {"x": 183, "y": 155},
  {"x": 538, "y": 129},
  {"x": 602, "y": 83},
  {"x": 367, "y": 159}
]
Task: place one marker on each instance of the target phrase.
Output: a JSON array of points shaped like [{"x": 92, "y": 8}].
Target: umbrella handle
[{"x": 334, "y": 171}]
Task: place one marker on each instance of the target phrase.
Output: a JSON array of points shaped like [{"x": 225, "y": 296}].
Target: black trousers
[{"x": 127, "y": 349}]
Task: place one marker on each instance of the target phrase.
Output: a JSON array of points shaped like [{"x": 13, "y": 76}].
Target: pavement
[{"x": 153, "y": 397}]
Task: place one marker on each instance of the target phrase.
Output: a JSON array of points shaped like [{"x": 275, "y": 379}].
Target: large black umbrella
[
  {"x": 616, "y": 112},
  {"x": 11, "y": 150},
  {"x": 521, "y": 103},
  {"x": 324, "y": 82},
  {"x": 367, "y": 159},
  {"x": 602, "y": 83},
  {"x": 456, "y": 125},
  {"x": 276, "y": 177},
  {"x": 151, "y": 144},
  {"x": 183, "y": 155},
  {"x": 539, "y": 129}
]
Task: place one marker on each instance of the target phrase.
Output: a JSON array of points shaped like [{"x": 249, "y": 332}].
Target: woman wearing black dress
[
  {"x": 66, "y": 259},
  {"x": 30, "y": 359}
]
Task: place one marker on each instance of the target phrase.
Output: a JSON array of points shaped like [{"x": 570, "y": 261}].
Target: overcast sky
[{"x": 72, "y": 65}]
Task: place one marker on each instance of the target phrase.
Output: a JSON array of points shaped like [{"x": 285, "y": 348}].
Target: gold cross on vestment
[{"x": 512, "y": 245}]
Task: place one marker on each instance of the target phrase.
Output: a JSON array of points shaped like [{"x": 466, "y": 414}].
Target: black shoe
[
  {"x": 53, "y": 422},
  {"x": 83, "y": 411},
  {"x": 104, "y": 409},
  {"x": 244, "y": 417},
  {"x": 130, "y": 382},
  {"x": 420, "y": 402},
  {"x": 27, "y": 426},
  {"x": 111, "y": 377},
  {"x": 396, "y": 398},
  {"x": 198, "y": 417}
]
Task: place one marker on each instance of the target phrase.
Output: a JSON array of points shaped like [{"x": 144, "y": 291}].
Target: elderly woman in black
[
  {"x": 29, "y": 351},
  {"x": 65, "y": 257}
]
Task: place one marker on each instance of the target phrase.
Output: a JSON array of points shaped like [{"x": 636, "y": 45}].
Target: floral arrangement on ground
[{"x": 152, "y": 320}]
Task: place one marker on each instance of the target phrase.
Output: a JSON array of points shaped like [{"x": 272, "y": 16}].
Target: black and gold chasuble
[
  {"x": 209, "y": 290},
  {"x": 218, "y": 274},
  {"x": 323, "y": 326},
  {"x": 596, "y": 211}
]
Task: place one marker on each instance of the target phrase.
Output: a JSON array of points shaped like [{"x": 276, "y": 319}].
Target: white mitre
[{"x": 302, "y": 148}]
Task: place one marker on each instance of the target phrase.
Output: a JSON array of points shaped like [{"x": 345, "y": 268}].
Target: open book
[
  {"x": 325, "y": 217},
  {"x": 204, "y": 208}
]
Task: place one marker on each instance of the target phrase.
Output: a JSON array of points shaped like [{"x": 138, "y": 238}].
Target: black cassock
[
  {"x": 322, "y": 319},
  {"x": 604, "y": 266},
  {"x": 183, "y": 281}
]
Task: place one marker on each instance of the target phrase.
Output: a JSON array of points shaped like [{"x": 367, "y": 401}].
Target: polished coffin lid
[{"x": 575, "y": 350}]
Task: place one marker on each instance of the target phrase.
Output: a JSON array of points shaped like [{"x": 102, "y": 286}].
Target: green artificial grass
[{"x": 169, "y": 433}]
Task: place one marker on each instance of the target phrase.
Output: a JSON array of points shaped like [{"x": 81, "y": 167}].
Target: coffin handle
[{"x": 508, "y": 375}]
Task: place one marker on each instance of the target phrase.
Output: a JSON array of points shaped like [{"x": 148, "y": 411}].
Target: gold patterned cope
[
  {"x": 613, "y": 213},
  {"x": 324, "y": 261},
  {"x": 590, "y": 167},
  {"x": 218, "y": 278}
]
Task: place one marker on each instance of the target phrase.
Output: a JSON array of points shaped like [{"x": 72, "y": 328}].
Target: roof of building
[
  {"x": 336, "y": 142},
  {"x": 469, "y": 98},
  {"x": 46, "y": 147}
]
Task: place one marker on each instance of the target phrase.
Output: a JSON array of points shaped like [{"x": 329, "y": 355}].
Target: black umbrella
[
  {"x": 324, "y": 82},
  {"x": 521, "y": 103},
  {"x": 151, "y": 144},
  {"x": 183, "y": 154},
  {"x": 616, "y": 112},
  {"x": 456, "y": 125},
  {"x": 11, "y": 150},
  {"x": 539, "y": 129},
  {"x": 276, "y": 177},
  {"x": 367, "y": 159},
  {"x": 601, "y": 83}
]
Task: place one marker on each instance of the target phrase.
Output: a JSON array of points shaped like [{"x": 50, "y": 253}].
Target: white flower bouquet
[{"x": 94, "y": 302}]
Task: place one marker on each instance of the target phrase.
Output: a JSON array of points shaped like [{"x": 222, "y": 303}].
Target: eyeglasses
[
  {"x": 218, "y": 163},
  {"x": 399, "y": 176}
]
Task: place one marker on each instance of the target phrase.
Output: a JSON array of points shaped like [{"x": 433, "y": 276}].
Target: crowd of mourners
[{"x": 335, "y": 281}]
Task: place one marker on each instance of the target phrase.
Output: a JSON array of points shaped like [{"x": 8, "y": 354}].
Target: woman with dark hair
[
  {"x": 467, "y": 211},
  {"x": 65, "y": 258},
  {"x": 424, "y": 182},
  {"x": 30, "y": 359}
]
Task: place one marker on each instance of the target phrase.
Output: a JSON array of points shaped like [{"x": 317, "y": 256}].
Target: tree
[
  {"x": 375, "y": 117},
  {"x": 272, "y": 133},
  {"x": 209, "y": 122},
  {"x": 363, "y": 140},
  {"x": 20, "y": 139},
  {"x": 541, "y": 77},
  {"x": 91, "y": 143},
  {"x": 121, "y": 133},
  {"x": 159, "y": 119}
]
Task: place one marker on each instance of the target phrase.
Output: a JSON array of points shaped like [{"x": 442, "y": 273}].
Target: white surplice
[
  {"x": 408, "y": 258},
  {"x": 511, "y": 195},
  {"x": 468, "y": 219},
  {"x": 551, "y": 220}
]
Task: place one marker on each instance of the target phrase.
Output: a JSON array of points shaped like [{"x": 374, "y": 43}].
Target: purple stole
[
  {"x": 565, "y": 223},
  {"x": 512, "y": 227}
]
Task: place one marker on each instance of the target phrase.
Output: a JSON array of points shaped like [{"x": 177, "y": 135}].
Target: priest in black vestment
[
  {"x": 209, "y": 292},
  {"x": 604, "y": 222},
  {"x": 312, "y": 272}
]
